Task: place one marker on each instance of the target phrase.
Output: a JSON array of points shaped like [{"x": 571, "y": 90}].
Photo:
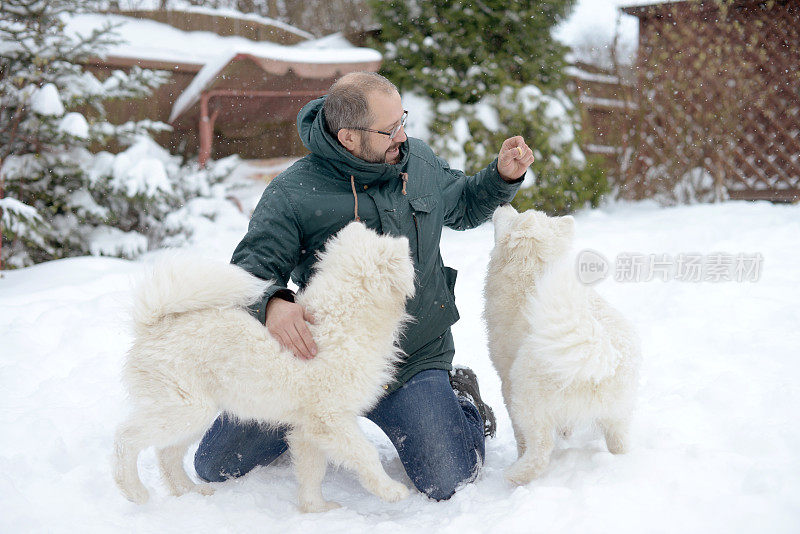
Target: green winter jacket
[{"x": 313, "y": 199}]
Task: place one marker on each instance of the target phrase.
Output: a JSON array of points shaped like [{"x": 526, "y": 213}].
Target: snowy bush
[
  {"x": 561, "y": 179},
  {"x": 61, "y": 199},
  {"x": 694, "y": 186},
  {"x": 491, "y": 70}
]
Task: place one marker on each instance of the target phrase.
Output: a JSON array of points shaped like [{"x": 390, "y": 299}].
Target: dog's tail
[
  {"x": 567, "y": 339},
  {"x": 179, "y": 283}
]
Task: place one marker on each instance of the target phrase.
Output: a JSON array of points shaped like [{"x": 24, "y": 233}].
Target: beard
[{"x": 371, "y": 155}]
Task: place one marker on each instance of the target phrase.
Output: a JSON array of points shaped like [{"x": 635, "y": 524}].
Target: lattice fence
[{"x": 716, "y": 108}]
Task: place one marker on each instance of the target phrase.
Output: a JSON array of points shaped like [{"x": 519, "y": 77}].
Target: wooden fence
[{"x": 715, "y": 110}]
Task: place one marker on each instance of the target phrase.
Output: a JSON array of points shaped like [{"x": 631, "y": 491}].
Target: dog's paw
[
  {"x": 617, "y": 446},
  {"x": 316, "y": 507},
  {"x": 203, "y": 489},
  {"x": 616, "y": 440},
  {"x": 137, "y": 495},
  {"x": 393, "y": 492},
  {"x": 521, "y": 473}
]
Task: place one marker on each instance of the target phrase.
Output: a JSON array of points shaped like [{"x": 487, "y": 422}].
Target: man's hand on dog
[
  {"x": 286, "y": 321},
  {"x": 514, "y": 159}
]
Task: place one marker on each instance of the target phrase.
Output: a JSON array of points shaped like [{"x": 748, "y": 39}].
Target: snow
[
  {"x": 84, "y": 203},
  {"x": 110, "y": 241},
  {"x": 455, "y": 144},
  {"x": 185, "y": 6},
  {"x": 142, "y": 168},
  {"x": 597, "y": 20},
  {"x": 602, "y": 149},
  {"x": 715, "y": 439},
  {"x": 102, "y": 165},
  {"x": 556, "y": 111},
  {"x": 334, "y": 40},
  {"x": 232, "y": 13},
  {"x": 151, "y": 40},
  {"x": 209, "y": 72},
  {"x": 10, "y": 205},
  {"x": 714, "y": 444},
  {"x": 606, "y": 102},
  {"x": 419, "y": 115},
  {"x": 74, "y": 124},
  {"x": 46, "y": 101},
  {"x": 590, "y": 76}
]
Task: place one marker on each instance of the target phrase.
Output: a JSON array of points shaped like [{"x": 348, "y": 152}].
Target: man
[{"x": 363, "y": 166}]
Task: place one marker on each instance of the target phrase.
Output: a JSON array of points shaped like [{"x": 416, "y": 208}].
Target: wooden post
[
  {"x": 206, "y": 126},
  {"x": 206, "y": 132}
]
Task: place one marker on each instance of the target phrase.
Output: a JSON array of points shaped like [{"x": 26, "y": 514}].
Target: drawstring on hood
[
  {"x": 328, "y": 153},
  {"x": 355, "y": 197},
  {"x": 403, "y": 176}
]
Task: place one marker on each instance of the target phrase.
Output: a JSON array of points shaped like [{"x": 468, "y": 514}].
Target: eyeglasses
[{"x": 394, "y": 131}]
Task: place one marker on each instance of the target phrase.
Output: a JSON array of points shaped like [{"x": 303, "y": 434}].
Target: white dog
[
  {"x": 564, "y": 355},
  {"x": 198, "y": 352}
]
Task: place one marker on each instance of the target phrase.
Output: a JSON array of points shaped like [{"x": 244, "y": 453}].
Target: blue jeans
[{"x": 438, "y": 437}]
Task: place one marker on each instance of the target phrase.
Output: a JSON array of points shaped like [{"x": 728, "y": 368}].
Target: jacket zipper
[{"x": 416, "y": 227}]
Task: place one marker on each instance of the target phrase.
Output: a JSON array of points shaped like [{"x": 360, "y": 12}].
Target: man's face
[{"x": 375, "y": 147}]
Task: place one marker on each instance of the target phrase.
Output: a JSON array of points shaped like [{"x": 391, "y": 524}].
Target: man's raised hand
[{"x": 514, "y": 159}]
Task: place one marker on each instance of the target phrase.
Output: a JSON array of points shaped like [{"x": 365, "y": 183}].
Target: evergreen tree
[
  {"x": 492, "y": 69},
  {"x": 60, "y": 199}
]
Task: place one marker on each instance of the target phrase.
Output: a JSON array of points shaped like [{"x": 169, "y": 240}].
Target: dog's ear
[
  {"x": 400, "y": 247},
  {"x": 503, "y": 219},
  {"x": 386, "y": 266},
  {"x": 530, "y": 229},
  {"x": 395, "y": 253},
  {"x": 400, "y": 267},
  {"x": 352, "y": 237},
  {"x": 353, "y": 232},
  {"x": 530, "y": 238}
]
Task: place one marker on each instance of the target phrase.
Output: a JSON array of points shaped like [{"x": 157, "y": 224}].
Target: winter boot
[{"x": 465, "y": 385}]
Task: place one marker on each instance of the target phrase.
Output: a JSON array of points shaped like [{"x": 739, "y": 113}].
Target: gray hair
[{"x": 347, "y": 105}]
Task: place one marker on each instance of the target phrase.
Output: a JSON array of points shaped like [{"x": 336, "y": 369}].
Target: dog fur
[
  {"x": 564, "y": 355},
  {"x": 197, "y": 352}
]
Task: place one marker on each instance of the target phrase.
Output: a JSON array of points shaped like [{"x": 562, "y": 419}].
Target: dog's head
[
  {"x": 532, "y": 234},
  {"x": 380, "y": 264}
]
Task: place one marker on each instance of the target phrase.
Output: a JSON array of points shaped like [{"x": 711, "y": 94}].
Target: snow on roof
[
  {"x": 183, "y": 5},
  {"x": 318, "y": 53},
  {"x": 334, "y": 40},
  {"x": 233, "y": 14},
  {"x": 151, "y": 40}
]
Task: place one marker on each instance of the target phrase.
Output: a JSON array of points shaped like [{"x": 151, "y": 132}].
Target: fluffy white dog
[
  {"x": 564, "y": 355},
  {"x": 197, "y": 352}
]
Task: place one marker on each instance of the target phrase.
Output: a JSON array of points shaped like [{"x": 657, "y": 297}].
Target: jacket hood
[{"x": 315, "y": 137}]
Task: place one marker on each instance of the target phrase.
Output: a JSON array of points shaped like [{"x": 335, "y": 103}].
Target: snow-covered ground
[{"x": 715, "y": 440}]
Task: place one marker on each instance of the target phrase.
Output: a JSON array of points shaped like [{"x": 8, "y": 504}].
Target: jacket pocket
[
  {"x": 450, "y": 276},
  {"x": 422, "y": 211},
  {"x": 423, "y": 204}
]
